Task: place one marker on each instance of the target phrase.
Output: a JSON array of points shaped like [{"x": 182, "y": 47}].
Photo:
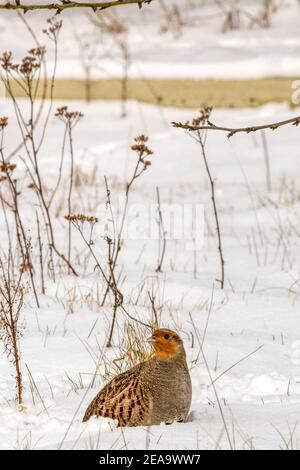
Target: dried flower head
[
  {"x": 3, "y": 122},
  {"x": 81, "y": 218},
  {"x": 6, "y": 61},
  {"x": 141, "y": 138},
  {"x": 68, "y": 117},
  {"x": 32, "y": 62},
  {"x": 6, "y": 166},
  {"x": 110, "y": 24},
  {"x": 29, "y": 64},
  {"x": 26, "y": 267},
  {"x": 203, "y": 117},
  {"x": 53, "y": 29},
  {"x": 140, "y": 146},
  {"x": 143, "y": 151}
]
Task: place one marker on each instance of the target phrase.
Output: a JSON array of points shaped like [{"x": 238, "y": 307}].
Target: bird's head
[{"x": 167, "y": 344}]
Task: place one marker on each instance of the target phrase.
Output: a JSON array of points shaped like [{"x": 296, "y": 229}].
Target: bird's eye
[{"x": 166, "y": 336}]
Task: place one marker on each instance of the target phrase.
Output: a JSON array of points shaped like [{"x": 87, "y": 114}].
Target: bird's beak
[{"x": 151, "y": 339}]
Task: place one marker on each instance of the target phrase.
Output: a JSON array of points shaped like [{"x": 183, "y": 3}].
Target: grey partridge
[{"x": 155, "y": 391}]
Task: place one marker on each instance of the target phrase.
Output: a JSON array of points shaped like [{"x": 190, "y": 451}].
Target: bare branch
[
  {"x": 66, "y": 4},
  {"x": 231, "y": 131}
]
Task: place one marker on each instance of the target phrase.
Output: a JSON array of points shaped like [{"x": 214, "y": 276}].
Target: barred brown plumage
[{"x": 155, "y": 391}]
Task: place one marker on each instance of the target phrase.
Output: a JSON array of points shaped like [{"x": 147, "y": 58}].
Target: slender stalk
[
  {"x": 70, "y": 191},
  {"x": 267, "y": 161},
  {"x": 213, "y": 198},
  {"x": 162, "y": 235},
  {"x": 141, "y": 165},
  {"x": 40, "y": 254}
]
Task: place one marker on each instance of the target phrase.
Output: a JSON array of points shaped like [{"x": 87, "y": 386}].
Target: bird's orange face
[{"x": 166, "y": 343}]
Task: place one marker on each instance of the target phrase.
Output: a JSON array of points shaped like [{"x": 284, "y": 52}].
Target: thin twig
[
  {"x": 236, "y": 363},
  {"x": 231, "y": 131}
]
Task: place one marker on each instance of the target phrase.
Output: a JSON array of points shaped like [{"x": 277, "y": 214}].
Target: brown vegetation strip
[{"x": 186, "y": 93}]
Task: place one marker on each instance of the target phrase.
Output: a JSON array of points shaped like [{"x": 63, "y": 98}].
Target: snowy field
[
  {"x": 257, "y": 313},
  {"x": 159, "y": 48}
]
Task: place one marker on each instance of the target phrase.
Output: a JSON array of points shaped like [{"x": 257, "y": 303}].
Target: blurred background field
[{"x": 180, "y": 93}]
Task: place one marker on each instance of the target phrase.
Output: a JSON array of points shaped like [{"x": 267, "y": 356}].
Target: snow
[
  {"x": 256, "y": 315},
  {"x": 199, "y": 50}
]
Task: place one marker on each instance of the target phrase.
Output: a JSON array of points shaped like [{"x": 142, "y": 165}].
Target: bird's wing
[{"x": 122, "y": 399}]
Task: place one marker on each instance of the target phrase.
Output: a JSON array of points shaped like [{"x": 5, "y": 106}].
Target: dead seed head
[
  {"x": 7, "y": 167},
  {"x": 203, "y": 117},
  {"x": 81, "y": 218},
  {"x": 141, "y": 138},
  {"x": 110, "y": 24},
  {"x": 28, "y": 65},
  {"x": 37, "y": 51},
  {"x": 32, "y": 62},
  {"x": 6, "y": 61},
  {"x": 69, "y": 117},
  {"x": 141, "y": 148},
  {"x": 26, "y": 267},
  {"x": 53, "y": 29},
  {"x": 3, "y": 122}
]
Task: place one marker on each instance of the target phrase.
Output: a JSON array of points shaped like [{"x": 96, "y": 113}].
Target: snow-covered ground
[
  {"x": 198, "y": 49},
  {"x": 257, "y": 313}
]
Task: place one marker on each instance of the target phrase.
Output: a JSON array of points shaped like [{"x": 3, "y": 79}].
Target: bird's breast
[{"x": 169, "y": 384}]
